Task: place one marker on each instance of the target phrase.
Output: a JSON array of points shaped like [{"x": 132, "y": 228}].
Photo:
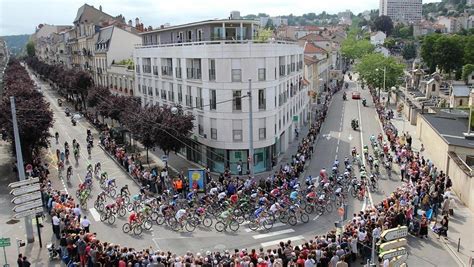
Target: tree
[
  {"x": 34, "y": 116},
  {"x": 467, "y": 70},
  {"x": 469, "y": 49},
  {"x": 264, "y": 34},
  {"x": 30, "y": 49},
  {"x": 428, "y": 51},
  {"x": 409, "y": 51},
  {"x": 269, "y": 24},
  {"x": 371, "y": 66},
  {"x": 383, "y": 23},
  {"x": 82, "y": 82},
  {"x": 448, "y": 51},
  {"x": 355, "y": 49}
]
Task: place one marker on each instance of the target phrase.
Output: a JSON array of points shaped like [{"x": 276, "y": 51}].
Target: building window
[
  {"x": 261, "y": 99},
  {"x": 262, "y": 133},
  {"x": 236, "y": 75},
  {"x": 261, "y": 74},
  {"x": 180, "y": 93},
  {"x": 212, "y": 99},
  {"x": 189, "y": 98},
  {"x": 163, "y": 94},
  {"x": 200, "y": 125},
  {"x": 237, "y": 100},
  {"x": 171, "y": 93},
  {"x": 212, "y": 70},
  {"x": 237, "y": 130},
  {"x": 214, "y": 129}
]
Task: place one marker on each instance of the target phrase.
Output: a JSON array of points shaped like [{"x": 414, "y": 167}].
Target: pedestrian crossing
[{"x": 279, "y": 232}]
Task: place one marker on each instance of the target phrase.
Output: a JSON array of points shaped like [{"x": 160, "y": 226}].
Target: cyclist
[
  {"x": 133, "y": 218},
  {"x": 66, "y": 145},
  {"x": 180, "y": 214},
  {"x": 366, "y": 151},
  {"x": 323, "y": 174},
  {"x": 353, "y": 152},
  {"x": 89, "y": 149},
  {"x": 66, "y": 152},
  {"x": 56, "y": 135},
  {"x": 346, "y": 161},
  {"x": 69, "y": 173},
  {"x": 336, "y": 163},
  {"x": 110, "y": 183},
  {"x": 259, "y": 212},
  {"x": 124, "y": 191},
  {"x": 97, "y": 168}
]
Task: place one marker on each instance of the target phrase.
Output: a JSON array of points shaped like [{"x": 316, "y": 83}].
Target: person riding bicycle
[
  {"x": 221, "y": 196},
  {"x": 89, "y": 149},
  {"x": 263, "y": 200},
  {"x": 259, "y": 212},
  {"x": 234, "y": 198},
  {"x": 110, "y": 183},
  {"x": 133, "y": 218},
  {"x": 275, "y": 207},
  {"x": 97, "y": 168},
  {"x": 353, "y": 152},
  {"x": 66, "y": 153},
  {"x": 323, "y": 174},
  {"x": 365, "y": 150},
  {"x": 180, "y": 214},
  {"x": 146, "y": 209},
  {"x": 346, "y": 161},
  {"x": 56, "y": 135},
  {"x": 101, "y": 197},
  {"x": 66, "y": 145},
  {"x": 205, "y": 200},
  {"x": 69, "y": 172},
  {"x": 124, "y": 191},
  {"x": 363, "y": 174},
  {"x": 294, "y": 196},
  {"x": 372, "y": 139}
]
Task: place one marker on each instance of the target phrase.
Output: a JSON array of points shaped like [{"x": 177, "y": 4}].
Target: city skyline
[{"x": 156, "y": 13}]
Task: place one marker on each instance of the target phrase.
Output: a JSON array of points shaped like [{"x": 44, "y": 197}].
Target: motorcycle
[
  {"x": 53, "y": 252},
  {"x": 68, "y": 112},
  {"x": 73, "y": 121},
  {"x": 364, "y": 102}
]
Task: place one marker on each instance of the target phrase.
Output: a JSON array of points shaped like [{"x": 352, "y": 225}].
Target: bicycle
[
  {"x": 264, "y": 220},
  {"x": 108, "y": 216},
  {"x": 136, "y": 228},
  {"x": 227, "y": 223}
]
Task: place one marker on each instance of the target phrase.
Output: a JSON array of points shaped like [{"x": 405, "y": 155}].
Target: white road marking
[
  {"x": 317, "y": 216},
  {"x": 339, "y": 135},
  {"x": 282, "y": 232},
  {"x": 95, "y": 214},
  {"x": 156, "y": 243},
  {"x": 248, "y": 230},
  {"x": 337, "y": 150},
  {"x": 276, "y": 242}
]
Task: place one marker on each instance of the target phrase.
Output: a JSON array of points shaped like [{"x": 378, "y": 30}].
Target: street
[{"x": 336, "y": 140}]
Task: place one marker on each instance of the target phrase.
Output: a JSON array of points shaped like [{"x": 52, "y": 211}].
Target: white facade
[
  {"x": 406, "y": 11},
  {"x": 377, "y": 38},
  {"x": 207, "y": 78}
]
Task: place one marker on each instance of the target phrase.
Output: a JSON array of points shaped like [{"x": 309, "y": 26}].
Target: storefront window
[{"x": 235, "y": 157}]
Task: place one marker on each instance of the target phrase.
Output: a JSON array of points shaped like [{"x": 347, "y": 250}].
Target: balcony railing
[
  {"x": 282, "y": 70},
  {"x": 217, "y": 42},
  {"x": 212, "y": 74},
  {"x": 192, "y": 73},
  {"x": 167, "y": 70}
]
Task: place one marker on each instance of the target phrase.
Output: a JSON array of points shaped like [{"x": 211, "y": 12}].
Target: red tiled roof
[
  {"x": 310, "y": 48},
  {"x": 314, "y": 37}
]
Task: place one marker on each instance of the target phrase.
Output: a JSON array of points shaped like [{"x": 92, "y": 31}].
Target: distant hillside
[
  {"x": 16, "y": 43},
  {"x": 445, "y": 7}
]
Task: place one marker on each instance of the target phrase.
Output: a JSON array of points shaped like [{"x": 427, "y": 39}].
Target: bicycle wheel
[
  {"x": 160, "y": 219},
  {"x": 126, "y": 199},
  {"x": 283, "y": 217},
  {"x": 130, "y": 207},
  {"x": 253, "y": 225},
  {"x": 267, "y": 224},
  {"x": 304, "y": 218},
  {"x": 220, "y": 226},
  {"x": 103, "y": 217},
  {"x": 137, "y": 230},
  {"x": 234, "y": 225},
  {"x": 126, "y": 228},
  {"x": 207, "y": 221},
  {"x": 320, "y": 209},
  {"x": 292, "y": 220},
  {"x": 112, "y": 192},
  {"x": 190, "y": 226},
  {"x": 154, "y": 215},
  {"x": 309, "y": 208},
  {"x": 329, "y": 207},
  {"x": 121, "y": 212},
  {"x": 111, "y": 219},
  {"x": 353, "y": 192},
  {"x": 147, "y": 225}
]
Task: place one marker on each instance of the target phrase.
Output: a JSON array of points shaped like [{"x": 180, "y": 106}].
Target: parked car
[{"x": 355, "y": 95}]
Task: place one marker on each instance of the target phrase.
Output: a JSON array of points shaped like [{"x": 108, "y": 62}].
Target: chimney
[
  {"x": 130, "y": 23},
  {"x": 137, "y": 23},
  {"x": 100, "y": 8}
]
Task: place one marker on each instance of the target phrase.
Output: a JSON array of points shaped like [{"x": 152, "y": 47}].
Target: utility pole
[
  {"x": 20, "y": 166},
  {"x": 249, "y": 94}
]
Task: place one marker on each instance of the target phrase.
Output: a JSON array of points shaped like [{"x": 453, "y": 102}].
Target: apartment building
[
  {"x": 205, "y": 67},
  {"x": 406, "y": 11}
]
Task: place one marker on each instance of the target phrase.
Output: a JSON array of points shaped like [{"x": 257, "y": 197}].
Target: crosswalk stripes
[
  {"x": 275, "y": 225},
  {"x": 276, "y": 242},
  {"x": 95, "y": 214},
  {"x": 286, "y": 231},
  {"x": 263, "y": 234}
]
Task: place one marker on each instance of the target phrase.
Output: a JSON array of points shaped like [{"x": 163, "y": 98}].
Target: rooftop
[
  {"x": 461, "y": 90},
  {"x": 451, "y": 126},
  {"x": 204, "y": 22},
  {"x": 310, "y": 48}
]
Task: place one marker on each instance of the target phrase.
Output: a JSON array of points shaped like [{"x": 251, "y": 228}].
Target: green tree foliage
[
  {"x": 34, "y": 115},
  {"x": 355, "y": 49},
  {"x": 371, "y": 67},
  {"x": 466, "y": 71},
  {"x": 409, "y": 51},
  {"x": 448, "y": 51},
  {"x": 263, "y": 35},
  {"x": 384, "y": 24},
  {"x": 428, "y": 51},
  {"x": 469, "y": 49},
  {"x": 30, "y": 49},
  {"x": 270, "y": 25}
]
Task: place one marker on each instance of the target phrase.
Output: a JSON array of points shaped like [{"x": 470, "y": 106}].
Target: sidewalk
[{"x": 461, "y": 223}]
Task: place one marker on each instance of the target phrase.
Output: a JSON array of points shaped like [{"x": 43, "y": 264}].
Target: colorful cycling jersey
[
  {"x": 221, "y": 195},
  {"x": 275, "y": 207},
  {"x": 294, "y": 195},
  {"x": 225, "y": 214},
  {"x": 275, "y": 192},
  {"x": 190, "y": 195},
  {"x": 311, "y": 195},
  {"x": 262, "y": 200},
  {"x": 132, "y": 218},
  {"x": 110, "y": 181},
  {"x": 180, "y": 213},
  {"x": 234, "y": 198},
  {"x": 136, "y": 197},
  {"x": 258, "y": 212}
]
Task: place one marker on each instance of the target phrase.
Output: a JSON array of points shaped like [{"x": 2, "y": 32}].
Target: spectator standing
[
  {"x": 77, "y": 212},
  {"x": 56, "y": 223},
  {"x": 85, "y": 224},
  {"x": 19, "y": 261},
  {"x": 26, "y": 263}
]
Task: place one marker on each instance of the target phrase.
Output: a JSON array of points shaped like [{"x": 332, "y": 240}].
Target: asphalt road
[{"x": 336, "y": 140}]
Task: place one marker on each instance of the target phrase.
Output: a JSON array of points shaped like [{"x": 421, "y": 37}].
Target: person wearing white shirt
[
  {"x": 77, "y": 212},
  {"x": 85, "y": 224},
  {"x": 56, "y": 223},
  {"x": 310, "y": 262}
]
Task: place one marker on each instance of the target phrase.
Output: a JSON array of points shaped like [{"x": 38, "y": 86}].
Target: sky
[{"x": 21, "y": 16}]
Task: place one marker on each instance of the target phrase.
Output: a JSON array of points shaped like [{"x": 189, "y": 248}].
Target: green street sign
[
  {"x": 295, "y": 118},
  {"x": 5, "y": 242}
]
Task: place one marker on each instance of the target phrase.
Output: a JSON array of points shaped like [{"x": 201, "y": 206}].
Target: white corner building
[{"x": 205, "y": 67}]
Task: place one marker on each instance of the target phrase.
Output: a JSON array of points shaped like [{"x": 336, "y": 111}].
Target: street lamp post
[{"x": 251, "y": 151}]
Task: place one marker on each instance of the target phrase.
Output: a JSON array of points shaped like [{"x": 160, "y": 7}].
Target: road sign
[
  {"x": 394, "y": 233},
  {"x": 24, "y": 182},
  {"x": 393, "y": 253},
  {"x": 25, "y": 198},
  {"x": 28, "y": 205},
  {"x": 27, "y": 213},
  {"x": 398, "y": 261},
  {"x": 4, "y": 242},
  {"x": 393, "y": 244},
  {"x": 25, "y": 189}
]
